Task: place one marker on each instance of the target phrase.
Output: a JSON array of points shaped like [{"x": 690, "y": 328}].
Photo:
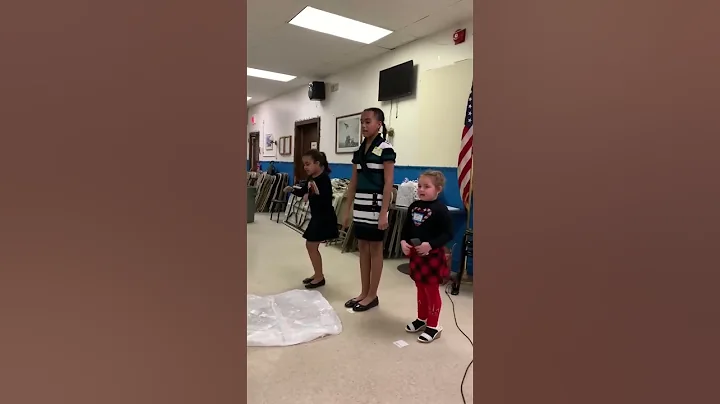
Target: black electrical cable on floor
[{"x": 462, "y": 382}]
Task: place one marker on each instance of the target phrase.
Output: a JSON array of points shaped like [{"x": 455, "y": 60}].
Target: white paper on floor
[{"x": 290, "y": 318}]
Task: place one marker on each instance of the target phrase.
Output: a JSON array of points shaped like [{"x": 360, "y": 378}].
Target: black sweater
[
  {"x": 321, "y": 203},
  {"x": 428, "y": 221}
]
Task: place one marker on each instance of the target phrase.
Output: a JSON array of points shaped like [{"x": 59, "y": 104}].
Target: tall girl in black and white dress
[{"x": 368, "y": 203}]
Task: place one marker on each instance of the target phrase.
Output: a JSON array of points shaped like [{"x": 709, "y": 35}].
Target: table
[{"x": 392, "y": 249}]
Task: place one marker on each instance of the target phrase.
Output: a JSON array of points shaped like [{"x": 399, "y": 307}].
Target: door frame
[
  {"x": 251, "y": 135},
  {"x": 297, "y": 138}
]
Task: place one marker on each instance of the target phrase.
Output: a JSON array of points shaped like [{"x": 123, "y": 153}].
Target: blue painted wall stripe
[{"x": 450, "y": 196}]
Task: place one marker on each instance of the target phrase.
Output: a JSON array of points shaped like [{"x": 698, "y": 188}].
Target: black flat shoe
[
  {"x": 307, "y": 280},
  {"x": 351, "y": 303},
  {"x": 315, "y": 285},
  {"x": 359, "y": 307}
]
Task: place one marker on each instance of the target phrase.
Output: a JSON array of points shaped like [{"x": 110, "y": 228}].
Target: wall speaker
[{"x": 316, "y": 91}]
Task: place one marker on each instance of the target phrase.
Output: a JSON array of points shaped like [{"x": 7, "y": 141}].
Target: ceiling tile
[
  {"x": 394, "y": 40},
  {"x": 393, "y": 15},
  {"x": 441, "y": 19},
  {"x": 259, "y": 87},
  {"x": 342, "y": 62},
  {"x": 263, "y": 18},
  {"x": 294, "y": 50}
]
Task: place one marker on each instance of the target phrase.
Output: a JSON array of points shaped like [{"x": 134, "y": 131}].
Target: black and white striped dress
[{"x": 369, "y": 190}]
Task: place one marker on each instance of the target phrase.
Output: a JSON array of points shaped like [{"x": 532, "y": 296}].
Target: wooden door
[
  {"x": 254, "y": 150},
  {"x": 307, "y": 136}
]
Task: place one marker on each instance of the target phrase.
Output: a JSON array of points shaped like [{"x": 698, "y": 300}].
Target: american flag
[{"x": 465, "y": 158}]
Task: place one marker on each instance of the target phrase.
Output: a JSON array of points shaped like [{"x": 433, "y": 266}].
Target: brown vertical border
[
  {"x": 596, "y": 217},
  {"x": 122, "y": 206}
]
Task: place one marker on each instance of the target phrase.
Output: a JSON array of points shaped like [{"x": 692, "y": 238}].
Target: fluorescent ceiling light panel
[
  {"x": 264, "y": 74},
  {"x": 333, "y": 24},
  {"x": 249, "y": 98}
]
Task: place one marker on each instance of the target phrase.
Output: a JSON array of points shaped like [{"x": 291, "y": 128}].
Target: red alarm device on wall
[{"x": 459, "y": 36}]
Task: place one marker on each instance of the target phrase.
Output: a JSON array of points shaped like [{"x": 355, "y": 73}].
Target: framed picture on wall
[
  {"x": 285, "y": 145},
  {"x": 269, "y": 141},
  {"x": 269, "y": 145},
  {"x": 347, "y": 133}
]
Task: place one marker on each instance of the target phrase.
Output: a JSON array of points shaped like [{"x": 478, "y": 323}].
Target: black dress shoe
[
  {"x": 307, "y": 280},
  {"x": 351, "y": 303},
  {"x": 359, "y": 307},
  {"x": 315, "y": 285}
]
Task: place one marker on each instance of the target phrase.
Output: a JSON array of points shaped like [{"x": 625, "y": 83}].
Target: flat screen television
[{"x": 397, "y": 81}]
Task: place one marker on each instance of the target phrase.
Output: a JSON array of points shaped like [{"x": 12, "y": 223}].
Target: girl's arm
[
  {"x": 350, "y": 195},
  {"x": 324, "y": 187},
  {"x": 388, "y": 157},
  {"x": 389, "y": 174},
  {"x": 300, "y": 189}
]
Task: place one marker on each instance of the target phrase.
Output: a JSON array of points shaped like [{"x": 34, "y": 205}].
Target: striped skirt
[{"x": 366, "y": 214}]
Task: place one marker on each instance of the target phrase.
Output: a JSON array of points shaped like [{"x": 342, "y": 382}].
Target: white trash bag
[
  {"x": 290, "y": 318},
  {"x": 407, "y": 193}
]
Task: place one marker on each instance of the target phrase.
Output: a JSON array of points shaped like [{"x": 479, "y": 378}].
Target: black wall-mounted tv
[{"x": 397, "y": 81}]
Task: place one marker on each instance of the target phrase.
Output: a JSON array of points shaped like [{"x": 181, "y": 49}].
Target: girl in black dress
[{"x": 323, "y": 224}]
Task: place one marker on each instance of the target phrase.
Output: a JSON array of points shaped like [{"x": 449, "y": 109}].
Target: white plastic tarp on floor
[{"x": 290, "y": 318}]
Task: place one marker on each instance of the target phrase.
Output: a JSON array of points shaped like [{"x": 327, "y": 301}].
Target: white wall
[{"x": 427, "y": 125}]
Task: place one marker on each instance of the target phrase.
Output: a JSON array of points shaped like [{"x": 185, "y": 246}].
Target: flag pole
[
  {"x": 455, "y": 289},
  {"x": 469, "y": 201},
  {"x": 465, "y": 152}
]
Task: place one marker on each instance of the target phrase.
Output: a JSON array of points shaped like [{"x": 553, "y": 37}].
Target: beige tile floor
[{"x": 361, "y": 365}]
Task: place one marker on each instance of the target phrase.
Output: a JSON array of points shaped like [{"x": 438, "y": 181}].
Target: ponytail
[
  {"x": 323, "y": 162},
  {"x": 320, "y": 157}
]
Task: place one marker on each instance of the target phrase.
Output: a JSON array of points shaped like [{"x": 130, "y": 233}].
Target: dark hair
[
  {"x": 320, "y": 157},
  {"x": 380, "y": 116}
]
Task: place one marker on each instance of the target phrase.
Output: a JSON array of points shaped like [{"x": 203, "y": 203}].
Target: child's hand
[
  {"x": 347, "y": 220},
  {"x": 383, "y": 221},
  {"x": 423, "y": 249},
  {"x": 287, "y": 189},
  {"x": 405, "y": 247}
]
